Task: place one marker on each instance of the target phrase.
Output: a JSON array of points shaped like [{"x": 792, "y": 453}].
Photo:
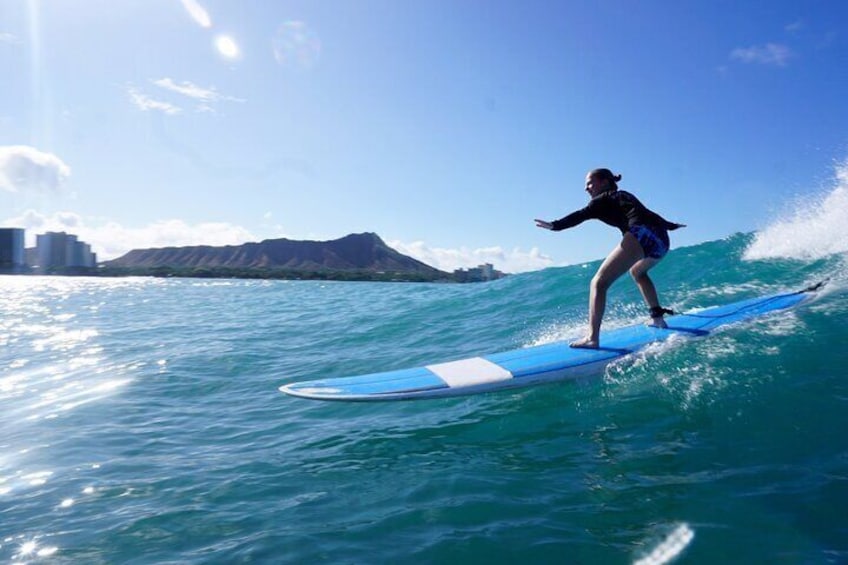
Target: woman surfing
[{"x": 644, "y": 243}]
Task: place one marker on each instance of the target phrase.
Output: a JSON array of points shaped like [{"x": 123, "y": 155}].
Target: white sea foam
[
  {"x": 670, "y": 547},
  {"x": 557, "y": 332},
  {"x": 814, "y": 229}
]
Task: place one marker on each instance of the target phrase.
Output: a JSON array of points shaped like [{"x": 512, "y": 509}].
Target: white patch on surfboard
[{"x": 469, "y": 372}]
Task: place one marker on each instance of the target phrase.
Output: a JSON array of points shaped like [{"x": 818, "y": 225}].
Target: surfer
[{"x": 643, "y": 244}]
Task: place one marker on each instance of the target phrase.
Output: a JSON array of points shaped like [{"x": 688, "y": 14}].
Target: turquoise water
[{"x": 141, "y": 422}]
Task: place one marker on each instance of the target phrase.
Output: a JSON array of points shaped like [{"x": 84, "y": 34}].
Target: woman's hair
[{"x": 606, "y": 174}]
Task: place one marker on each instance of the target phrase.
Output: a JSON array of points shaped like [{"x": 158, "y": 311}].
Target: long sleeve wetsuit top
[{"x": 617, "y": 208}]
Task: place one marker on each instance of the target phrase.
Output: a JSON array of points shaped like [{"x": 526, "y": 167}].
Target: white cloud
[
  {"x": 203, "y": 98},
  {"x": 8, "y": 38},
  {"x": 198, "y": 13},
  {"x": 115, "y": 239},
  {"x": 194, "y": 91},
  {"x": 145, "y": 103},
  {"x": 515, "y": 261},
  {"x": 110, "y": 239},
  {"x": 34, "y": 223},
  {"x": 768, "y": 54},
  {"x": 26, "y": 169},
  {"x": 795, "y": 26}
]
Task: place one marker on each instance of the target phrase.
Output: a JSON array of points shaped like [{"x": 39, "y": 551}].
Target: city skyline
[
  {"x": 52, "y": 250},
  {"x": 446, "y": 128}
]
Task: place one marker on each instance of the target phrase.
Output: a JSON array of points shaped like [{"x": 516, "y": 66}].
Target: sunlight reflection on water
[{"x": 53, "y": 359}]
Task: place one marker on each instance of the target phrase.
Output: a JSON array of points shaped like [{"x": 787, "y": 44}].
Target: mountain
[{"x": 360, "y": 252}]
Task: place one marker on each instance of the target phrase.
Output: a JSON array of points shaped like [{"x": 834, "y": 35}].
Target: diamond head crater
[{"x": 355, "y": 257}]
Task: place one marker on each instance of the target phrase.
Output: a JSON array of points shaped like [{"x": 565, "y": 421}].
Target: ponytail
[{"x": 607, "y": 174}]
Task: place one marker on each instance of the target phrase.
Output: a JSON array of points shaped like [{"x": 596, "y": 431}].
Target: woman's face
[{"x": 596, "y": 185}]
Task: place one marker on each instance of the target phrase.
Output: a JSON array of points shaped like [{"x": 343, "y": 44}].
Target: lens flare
[
  {"x": 296, "y": 45},
  {"x": 198, "y": 13},
  {"x": 227, "y": 47}
]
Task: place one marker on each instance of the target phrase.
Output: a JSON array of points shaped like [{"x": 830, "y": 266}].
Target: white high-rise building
[{"x": 59, "y": 250}]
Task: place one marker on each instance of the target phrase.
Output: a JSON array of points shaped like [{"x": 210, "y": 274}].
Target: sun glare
[
  {"x": 227, "y": 46},
  {"x": 198, "y": 13}
]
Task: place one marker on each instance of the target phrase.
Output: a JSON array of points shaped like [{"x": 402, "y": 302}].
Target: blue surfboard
[{"x": 538, "y": 364}]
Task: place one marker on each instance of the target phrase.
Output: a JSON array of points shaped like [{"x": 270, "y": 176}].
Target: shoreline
[{"x": 253, "y": 274}]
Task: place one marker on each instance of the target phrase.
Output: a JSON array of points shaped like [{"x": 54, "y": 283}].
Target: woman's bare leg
[
  {"x": 623, "y": 257},
  {"x": 639, "y": 272}
]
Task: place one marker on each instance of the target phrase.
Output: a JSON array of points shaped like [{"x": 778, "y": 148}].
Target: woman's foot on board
[
  {"x": 658, "y": 323},
  {"x": 657, "y": 316},
  {"x": 585, "y": 343}
]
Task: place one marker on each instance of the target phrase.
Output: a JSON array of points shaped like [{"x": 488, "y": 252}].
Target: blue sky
[{"x": 444, "y": 126}]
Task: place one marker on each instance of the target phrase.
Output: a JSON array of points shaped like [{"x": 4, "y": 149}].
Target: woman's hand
[{"x": 544, "y": 224}]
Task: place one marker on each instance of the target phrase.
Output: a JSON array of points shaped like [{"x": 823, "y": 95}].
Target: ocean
[{"x": 142, "y": 423}]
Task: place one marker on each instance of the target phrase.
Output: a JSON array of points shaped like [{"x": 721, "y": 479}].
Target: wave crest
[{"x": 816, "y": 228}]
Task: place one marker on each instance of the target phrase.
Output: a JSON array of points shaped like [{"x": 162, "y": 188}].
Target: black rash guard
[{"x": 617, "y": 208}]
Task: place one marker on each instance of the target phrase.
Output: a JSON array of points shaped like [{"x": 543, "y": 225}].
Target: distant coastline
[
  {"x": 270, "y": 273},
  {"x": 355, "y": 257},
  {"x": 458, "y": 276}
]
